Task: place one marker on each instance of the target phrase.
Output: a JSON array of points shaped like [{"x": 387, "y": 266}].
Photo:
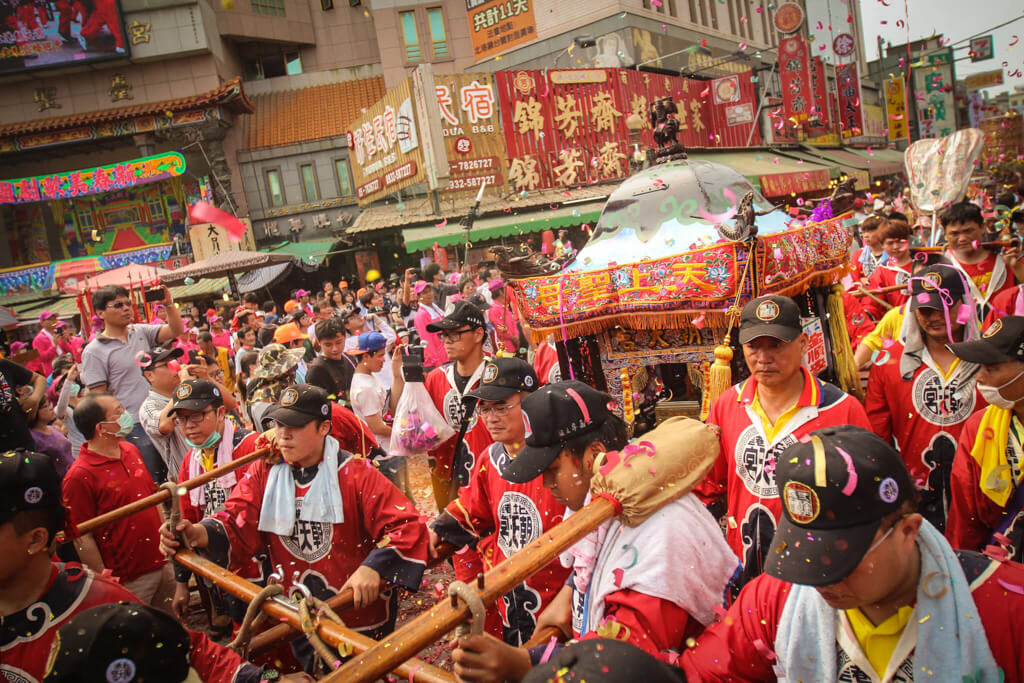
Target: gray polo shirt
[
  {"x": 110, "y": 361},
  {"x": 172, "y": 447}
]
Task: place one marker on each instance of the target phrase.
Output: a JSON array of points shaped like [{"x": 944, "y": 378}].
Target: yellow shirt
[
  {"x": 887, "y": 328},
  {"x": 879, "y": 642},
  {"x": 771, "y": 430}
]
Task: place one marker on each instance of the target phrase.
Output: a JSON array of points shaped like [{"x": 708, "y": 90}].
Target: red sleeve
[
  {"x": 875, "y": 403},
  {"x": 1000, "y": 604},
  {"x": 352, "y": 435},
  {"x": 654, "y": 625},
  {"x": 737, "y": 648},
  {"x": 214, "y": 663},
  {"x": 713, "y": 488},
  {"x": 437, "y": 387},
  {"x": 972, "y": 516},
  {"x": 188, "y": 511},
  {"x": 1002, "y": 304},
  {"x": 78, "y": 497},
  {"x": 472, "y": 509},
  {"x": 241, "y": 515},
  {"x": 869, "y": 305},
  {"x": 856, "y": 266},
  {"x": 855, "y": 414}
]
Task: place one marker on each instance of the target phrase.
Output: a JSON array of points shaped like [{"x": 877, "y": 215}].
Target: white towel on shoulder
[{"x": 322, "y": 502}]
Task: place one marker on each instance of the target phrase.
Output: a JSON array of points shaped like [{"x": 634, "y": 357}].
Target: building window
[
  {"x": 85, "y": 222},
  {"x": 274, "y": 190},
  {"x": 272, "y": 8},
  {"x": 438, "y": 35},
  {"x": 309, "y": 189},
  {"x": 344, "y": 178},
  {"x": 156, "y": 207},
  {"x": 411, "y": 37}
]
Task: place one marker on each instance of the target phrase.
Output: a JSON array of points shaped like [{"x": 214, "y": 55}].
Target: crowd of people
[{"x": 858, "y": 536}]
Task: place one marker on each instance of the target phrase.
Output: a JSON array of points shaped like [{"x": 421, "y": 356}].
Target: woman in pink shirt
[
  {"x": 428, "y": 312},
  {"x": 503, "y": 319},
  {"x": 46, "y": 344}
]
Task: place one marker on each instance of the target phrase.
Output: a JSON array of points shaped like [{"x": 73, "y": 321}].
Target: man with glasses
[
  {"x": 200, "y": 416},
  {"x": 329, "y": 518},
  {"x": 500, "y": 517},
  {"x": 163, "y": 372},
  {"x": 858, "y": 586},
  {"x": 112, "y": 361}
]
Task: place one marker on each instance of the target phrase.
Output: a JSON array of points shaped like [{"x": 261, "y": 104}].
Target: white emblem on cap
[
  {"x": 33, "y": 495},
  {"x": 993, "y": 329},
  {"x": 289, "y": 397},
  {"x": 184, "y": 391},
  {"x": 490, "y": 372},
  {"x": 528, "y": 381},
  {"x": 120, "y": 671},
  {"x": 449, "y": 309},
  {"x": 889, "y": 490},
  {"x": 216, "y": 391},
  {"x": 324, "y": 409},
  {"x": 767, "y": 310}
]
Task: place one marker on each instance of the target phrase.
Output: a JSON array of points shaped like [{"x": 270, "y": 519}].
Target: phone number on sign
[
  {"x": 456, "y": 184},
  {"x": 464, "y": 165}
]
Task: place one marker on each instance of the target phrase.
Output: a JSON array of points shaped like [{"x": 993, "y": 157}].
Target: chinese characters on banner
[
  {"x": 849, "y": 100},
  {"x": 818, "y": 121},
  {"x": 896, "y": 109},
  {"x": 935, "y": 113},
  {"x": 780, "y": 184},
  {"x": 497, "y": 25},
  {"x": 475, "y": 146},
  {"x": 386, "y": 152},
  {"x": 795, "y": 74},
  {"x": 92, "y": 180},
  {"x": 208, "y": 239}
]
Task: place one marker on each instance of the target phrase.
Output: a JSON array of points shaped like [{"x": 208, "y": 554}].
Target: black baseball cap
[
  {"x": 299, "y": 405},
  {"x": 121, "y": 642},
  {"x": 1001, "y": 342},
  {"x": 504, "y": 377},
  {"x": 195, "y": 394},
  {"x": 604, "y": 660},
  {"x": 457, "y": 315},
  {"x": 554, "y": 414},
  {"x": 836, "y": 487},
  {"x": 936, "y": 287},
  {"x": 770, "y": 316},
  {"x": 162, "y": 354},
  {"x": 28, "y": 481}
]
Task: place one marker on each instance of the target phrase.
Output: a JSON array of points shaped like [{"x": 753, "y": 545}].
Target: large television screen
[{"x": 43, "y": 34}]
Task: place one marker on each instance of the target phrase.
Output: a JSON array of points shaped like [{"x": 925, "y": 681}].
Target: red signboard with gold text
[
  {"x": 780, "y": 184},
  {"x": 795, "y": 73},
  {"x": 850, "y": 115}
]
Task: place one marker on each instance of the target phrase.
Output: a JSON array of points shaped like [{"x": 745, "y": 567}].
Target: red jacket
[
  {"x": 973, "y": 516},
  {"x": 448, "y": 401},
  {"x": 381, "y": 529},
  {"x": 740, "y": 646},
  {"x": 352, "y": 433},
  {"x": 744, "y": 474},
  {"x": 887, "y": 276},
  {"x": 922, "y": 416},
  {"x": 501, "y": 518},
  {"x": 545, "y": 364}
]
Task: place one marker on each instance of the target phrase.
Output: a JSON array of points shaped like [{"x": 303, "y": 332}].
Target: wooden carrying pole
[
  {"x": 429, "y": 626},
  {"x": 331, "y": 633},
  {"x": 160, "y": 496}
]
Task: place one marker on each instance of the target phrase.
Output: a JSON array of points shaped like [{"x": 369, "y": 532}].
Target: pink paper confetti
[
  {"x": 851, "y": 471},
  {"x": 617, "y": 574},
  {"x": 554, "y": 639},
  {"x": 442, "y": 223},
  {"x": 1012, "y": 587},
  {"x": 698, "y": 322}
]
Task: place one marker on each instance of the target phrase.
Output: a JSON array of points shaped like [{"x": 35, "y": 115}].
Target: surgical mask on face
[
  {"x": 125, "y": 423},
  {"x": 210, "y": 442},
  {"x": 993, "y": 396}
]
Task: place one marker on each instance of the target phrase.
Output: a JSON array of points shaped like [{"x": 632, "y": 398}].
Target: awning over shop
[
  {"x": 311, "y": 254},
  {"x": 65, "y": 307},
  {"x": 774, "y": 174},
  {"x": 848, "y": 164},
  {"x": 891, "y": 158},
  {"x": 204, "y": 287},
  {"x": 425, "y": 237}
]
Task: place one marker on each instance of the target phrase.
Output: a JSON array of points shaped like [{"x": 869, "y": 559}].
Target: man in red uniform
[
  {"x": 198, "y": 411},
  {"x": 104, "y": 14},
  {"x": 496, "y": 516},
  {"x": 866, "y": 259},
  {"x": 895, "y": 238},
  {"x": 963, "y": 225},
  {"x": 986, "y": 483},
  {"x": 38, "y": 596},
  {"x": 545, "y": 363},
  {"x": 652, "y": 585},
  {"x": 780, "y": 403},
  {"x": 859, "y": 587},
  {"x": 108, "y": 474},
  {"x": 463, "y": 331},
  {"x": 330, "y": 519},
  {"x": 921, "y": 395}
]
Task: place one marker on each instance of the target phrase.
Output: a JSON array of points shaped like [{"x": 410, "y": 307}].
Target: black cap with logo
[
  {"x": 299, "y": 405},
  {"x": 120, "y": 642},
  {"x": 28, "y": 481},
  {"x": 459, "y": 314},
  {"x": 836, "y": 486},
  {"x": 504, "y": 377},
  {"x": 604, "y": 660},
  {"x": 770, "y": 316},
  {"x": 195, "y": 394},
  {"x": 937, "y": 287},
  {"x": 161, "y": 354},
  {"x": 554, "y": 414},
  {"x": 1001, "y": 342}
]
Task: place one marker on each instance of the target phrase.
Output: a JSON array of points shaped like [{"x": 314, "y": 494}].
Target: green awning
[
  {"x": 803, "y": 157},
  {"x": 312, "y": 253},
  {"x": 891, "y": 158},
  {"x": 419, "y": 238},
  {"x": 204, "y": 287},
  {"x": 63, "y": 307},
  {"x": 846, "y": 158},
  {"x": 754, "y": 165}
]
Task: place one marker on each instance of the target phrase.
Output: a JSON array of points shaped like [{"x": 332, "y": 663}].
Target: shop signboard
[
  {"x": 497, "y": 25},
  {"x": 475, "y": 146},
  {"x": 208, "y": 239},
  {"x": 896, "y": 109},
  {"x": 936, "y": 107},
  {"x": 851, "y": 117},
  {"x": 795, "y": 73},
  {"x": 89, "y": 181}
]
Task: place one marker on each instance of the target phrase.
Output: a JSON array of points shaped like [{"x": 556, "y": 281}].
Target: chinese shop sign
[
  {"x": 850, "y": 115},
  {"x": 497, "y": 25},
  {"x": 896, "y": 109},
  {"x": 936, "y": 113},
  {"x": 386, "y": 147},
  {"x": 474, "y": 143},
  {"x": 92, "y": 180},
  {"x": 781, "y": 184},
  {"x": 795, "y": 73}
]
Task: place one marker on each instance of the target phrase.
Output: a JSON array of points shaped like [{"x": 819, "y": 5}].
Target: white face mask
[{"x": 993, "y": 396}]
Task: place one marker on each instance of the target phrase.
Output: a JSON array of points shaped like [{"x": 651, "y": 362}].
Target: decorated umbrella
[
  {"x": 939, "y": 170},
  {"x": 676, "y": 249},
  {"x": 132, "y": 275},
  {"x": 225, "y": 264}
]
